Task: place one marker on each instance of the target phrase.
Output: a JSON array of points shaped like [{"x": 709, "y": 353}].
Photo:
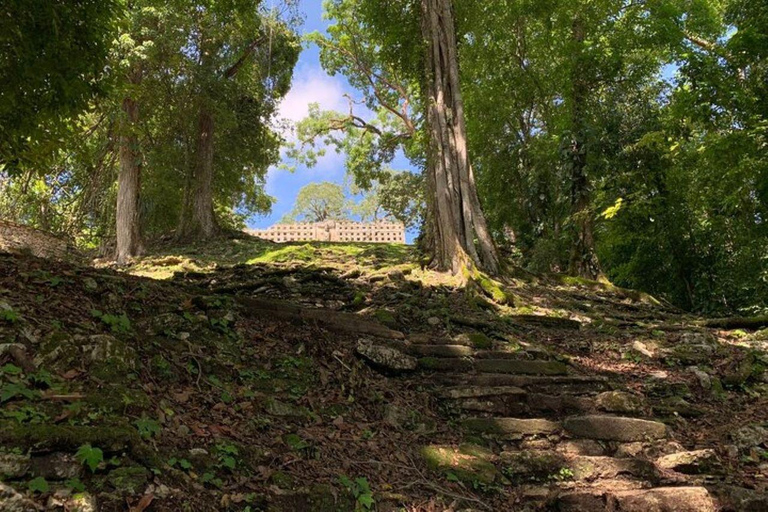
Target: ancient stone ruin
[
  {"x": 334, "y": 231},
  {"x": 18, "y": 239}
]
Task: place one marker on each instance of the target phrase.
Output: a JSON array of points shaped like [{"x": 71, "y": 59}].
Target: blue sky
[{"x": 310, "y": 85}]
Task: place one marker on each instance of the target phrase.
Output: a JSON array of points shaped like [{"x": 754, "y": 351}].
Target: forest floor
[{"x": 246, "y": 375}]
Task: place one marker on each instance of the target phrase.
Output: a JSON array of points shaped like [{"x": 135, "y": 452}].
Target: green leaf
[
  {"x": 147, "y": 427},
  {"x": 11, "y": 369},
  {"x": 366, "y": 500},
  {"x": 90, "y": 456},
  {"x": 75, "y": 484},
  {"x": 38, "y": 484}
]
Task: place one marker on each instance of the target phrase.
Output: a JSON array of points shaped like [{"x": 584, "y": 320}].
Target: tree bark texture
[
  {"x": 198, "y": 220},
  {"x": 583, "y": 260},
  {"x": 128, "y": 228},
  {"x": 459, "y": 233}
]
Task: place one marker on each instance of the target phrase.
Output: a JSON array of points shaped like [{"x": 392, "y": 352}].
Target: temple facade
[{"x": 334, "y": 231}]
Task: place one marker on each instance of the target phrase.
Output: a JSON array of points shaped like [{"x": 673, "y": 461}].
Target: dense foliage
[
  {"x": 155, "y": 59},
  {"x": 53, "y": 56}
]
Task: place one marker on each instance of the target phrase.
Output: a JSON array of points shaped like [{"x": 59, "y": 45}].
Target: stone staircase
[{"x": 563, "y": 441}]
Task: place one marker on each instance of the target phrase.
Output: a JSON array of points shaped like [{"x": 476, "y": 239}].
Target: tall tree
[
  {"x": 457, "y": 221},
  {"x": 583, "y": 259},
  {"x": 239, "y": 60},
  {"x": 127, "y": 221},
  {"x": 414, "y": 90},
  {"x": 319, "y": 202}
]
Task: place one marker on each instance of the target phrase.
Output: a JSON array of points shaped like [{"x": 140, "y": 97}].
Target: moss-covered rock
[
  {"x": 386, "y": 317},
  {"x": 468, "y": 463},
  {"x": 619, "y": 401},
  {"x": 47, "y": 438},
  {"x": 14, "y": 466},
  {"x": 526, "y": 466},
  {"x": 480, "y": 340},
  {"x": 285, "y": 410},
  {"x": 129, "y": 480},
  {"x": 318, "y": 498}
]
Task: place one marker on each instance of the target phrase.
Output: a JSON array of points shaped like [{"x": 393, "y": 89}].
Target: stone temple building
[{"x": 334, "y": 231}]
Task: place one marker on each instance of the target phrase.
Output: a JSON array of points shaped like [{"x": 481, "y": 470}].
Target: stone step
[
  {"x": 553, "y": 384},
  {"x": 475, "y": 340},
  {"x": 494, "y": 406},
  {"x": 444, "y": 351},
  {"x": 614, "y": 428},
  {"x": 520, "y": 404},
  {"x": 482, "y": 392},
  {"x": 512, "y": 427},
  {"x": 585, "y": 468},
  {"x": 661, "y": 499},
  {"x": 544, "y": 465},
  {"x": 548, "y": 322},
  {"x": 518, "y": 367},
  {"x": 455, "y": 365},
  {"x": 446, "y": 363},
  {"x": 519, "y": 355},
  {"x": 691, "y": 462}
]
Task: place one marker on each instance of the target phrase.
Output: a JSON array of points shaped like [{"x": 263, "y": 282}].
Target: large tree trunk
[
  {"x": 198, "y": 220},
  {"x": 459, "y": 234},
  {"x": 583, "y": 260},
  {"x": 128, "y": 227}
]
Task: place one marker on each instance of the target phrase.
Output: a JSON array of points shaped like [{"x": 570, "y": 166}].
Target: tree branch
[{"x": 249, "y": 50}]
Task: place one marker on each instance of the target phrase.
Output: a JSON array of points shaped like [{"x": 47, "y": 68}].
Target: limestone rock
[
  {"x": 698, "y": 338},
  {"x": 14, "y": 466},
  {"x": 448, "y": 364},
  {"x": 12, "y": 501},
  {"x": 666, "y": 499},
  {"x": 103, "y": 347},
  {"x": 705, "y": 381},
  {"x": 588, "y": 447},
  {"x": 129, "y": 480},
  {"x": 619, "y": 401},
  {"x": 693, "y": 462},
  {"x": 442, "y": 350},
  {"x": 629, "y": 450},
  {"x": 594, "y": 468},
  {"x": 468, "y": 463},
  {"x": 750, "y": 436},
  {"x": 511, "y": 426},
  {"x": 395, "y": 416},
  {"x": 531, "y": 465},
  {"x": 738, "y": 499},
  {"x": 384, "y": 357},
  {"x": 56, "y": 466},
  {"x": 521, "y": 367},
  {"x": 285, "y": 410},
  {"x": 642, "y": 348},
  {"x": 613, "y": 428}
]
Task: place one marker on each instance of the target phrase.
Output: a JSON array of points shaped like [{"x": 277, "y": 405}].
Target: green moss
[
  {"x": 111, "y": 439},
  {"x": 129, "y": 480},
  {"x": 493, "y": 290},
  {"x": 117, "y": 398},
  {"x": 480, "y": 340},
  {"x": 281, "y": 479},
  {"x": 385, "y": 317},
  {"x": 468, "y": 463}
]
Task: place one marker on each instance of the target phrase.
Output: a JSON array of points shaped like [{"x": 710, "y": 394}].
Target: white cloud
[{"x": 312, "y": 86}]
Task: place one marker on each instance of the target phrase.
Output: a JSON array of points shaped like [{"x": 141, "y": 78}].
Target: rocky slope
[{"x": 334, "y": 377}]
